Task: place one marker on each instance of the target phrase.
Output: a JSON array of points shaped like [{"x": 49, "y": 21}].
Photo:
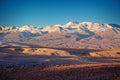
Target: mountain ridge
[
  {"x": 70, "y": 35},
  {"x": 68, "y": 27}
]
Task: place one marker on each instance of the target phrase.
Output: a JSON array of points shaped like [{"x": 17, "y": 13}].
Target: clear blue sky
[{"x": 51, "y": 12}]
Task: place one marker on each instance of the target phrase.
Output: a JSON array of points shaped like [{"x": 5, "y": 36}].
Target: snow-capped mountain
[
  {"x": 5, "y": 29},
  {"x": 70, "y": 35},
  {"x": 69, "y": 27}
]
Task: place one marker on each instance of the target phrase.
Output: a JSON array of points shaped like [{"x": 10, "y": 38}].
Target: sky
[{"x": 50, "y": 12}]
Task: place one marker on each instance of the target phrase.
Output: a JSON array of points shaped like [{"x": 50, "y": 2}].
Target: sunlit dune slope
[
  {"x": 41, "y": 51},
  {"x": 106, "y": 53},
  {"x": 61, "y": 52}
]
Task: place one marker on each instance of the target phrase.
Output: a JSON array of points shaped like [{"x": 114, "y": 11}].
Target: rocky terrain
[
  {"x": 72, "y": 51},
  {"x": 106, "y": 71},
  {"x": 84, "y": 35}
]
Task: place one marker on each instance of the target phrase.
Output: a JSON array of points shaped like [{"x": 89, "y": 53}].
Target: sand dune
[
  {"x": 106, "y": 53},
  {"x": 65, "y": 52},
  {"x": 52, "y": 56},
  {"x": 41, "y": 51}
]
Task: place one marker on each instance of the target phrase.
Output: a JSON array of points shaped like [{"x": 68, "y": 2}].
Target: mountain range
[{"x": 78, "y": 35}]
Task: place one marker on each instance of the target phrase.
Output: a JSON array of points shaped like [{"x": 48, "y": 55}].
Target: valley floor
[
  {"x": 104, "y": 71},
  {"x": 59, "y": 64},
  {"x": 51, "y": 60},
  {"x": 52, "y": 56}
]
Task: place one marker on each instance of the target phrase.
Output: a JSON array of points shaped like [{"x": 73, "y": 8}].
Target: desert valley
[{"x": 72, "y": 51}]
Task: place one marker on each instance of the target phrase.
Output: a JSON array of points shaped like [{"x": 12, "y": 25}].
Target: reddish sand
[{"x": 106, "y": 71}]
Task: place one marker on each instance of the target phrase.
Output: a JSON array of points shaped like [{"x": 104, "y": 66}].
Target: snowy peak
[
  {"x": 85, "y": 27},
  {"x": 71, "y": 35},
  {"x": 94, "y": 27},
  {"x": 50, "y": 29},
  {"x": 28, "y": 28},
  {"x": 86, "y": 23},
  {"x": 72, "y": 23},
  {"x": 70, "y": 27}
]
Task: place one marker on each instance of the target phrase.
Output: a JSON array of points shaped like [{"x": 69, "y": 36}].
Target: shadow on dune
[
  {"x": 81, "y": 57},
  {"x": 78, "y": 52},
  {"x": 8, "y": 51}
]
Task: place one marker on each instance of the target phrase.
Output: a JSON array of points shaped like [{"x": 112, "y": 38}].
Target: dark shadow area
[
  {"x": 78, "y": 52},
  {"x": 115, "y": 25},
  {"x": 8, "y": 51},
  {"x": 82, "y": 36}
]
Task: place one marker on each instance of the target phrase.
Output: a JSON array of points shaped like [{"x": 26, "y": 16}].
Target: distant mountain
[{"x": 70, "y": 35}]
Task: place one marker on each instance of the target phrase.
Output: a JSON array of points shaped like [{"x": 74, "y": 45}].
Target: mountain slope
[{"x": 70, "y": 35}]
